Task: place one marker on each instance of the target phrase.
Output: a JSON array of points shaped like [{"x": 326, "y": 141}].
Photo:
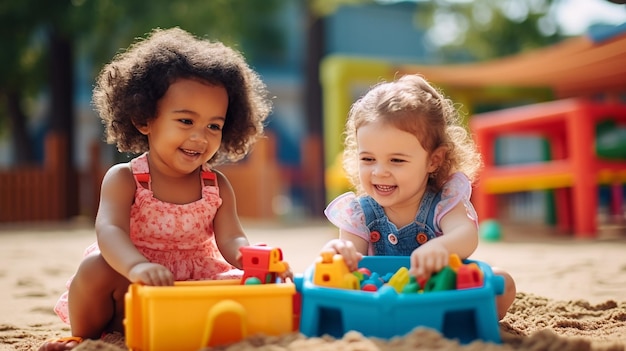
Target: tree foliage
[
  {"x": 479, "y": 30},
  {"x": 474, "y": 30},
  {"x": 33, "y": 31}
]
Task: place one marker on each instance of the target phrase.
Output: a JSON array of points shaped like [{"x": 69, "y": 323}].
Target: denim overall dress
[{"x": 387, "y": 239}]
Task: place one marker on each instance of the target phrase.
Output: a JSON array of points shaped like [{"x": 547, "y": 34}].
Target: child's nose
[
  {"x": 201, "y": 136},
  {"x": 379, "y": 169}
]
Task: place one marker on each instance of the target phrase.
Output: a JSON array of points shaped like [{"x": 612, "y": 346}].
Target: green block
[{"x": 445, "y": 279}]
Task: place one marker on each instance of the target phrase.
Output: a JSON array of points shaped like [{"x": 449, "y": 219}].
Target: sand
[{"x": 572, "y": 292}]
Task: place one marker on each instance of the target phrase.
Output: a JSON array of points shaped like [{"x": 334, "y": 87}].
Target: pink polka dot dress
[{"x": 178, "y": 236}]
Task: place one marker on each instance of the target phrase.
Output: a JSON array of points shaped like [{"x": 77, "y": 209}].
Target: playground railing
[{"x": 574, "y": 170}]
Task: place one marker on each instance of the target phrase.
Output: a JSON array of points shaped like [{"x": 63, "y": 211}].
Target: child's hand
[
  {"x": 346, "y": 249},
  {"x": 239, "y": 259},
  {"x": 149, "y": 273},
  {"x": 287, "y": 275},
  {"x": 428, "y": 259}
]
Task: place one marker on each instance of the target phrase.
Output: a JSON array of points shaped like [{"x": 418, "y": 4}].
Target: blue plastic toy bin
[{"x": 466, "y": 315}]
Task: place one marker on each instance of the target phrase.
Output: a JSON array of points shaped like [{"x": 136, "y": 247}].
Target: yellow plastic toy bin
[{"x": 195, "y": 314}]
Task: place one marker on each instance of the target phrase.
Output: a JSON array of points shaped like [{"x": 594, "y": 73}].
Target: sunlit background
[{"x": 50, "y": 53}]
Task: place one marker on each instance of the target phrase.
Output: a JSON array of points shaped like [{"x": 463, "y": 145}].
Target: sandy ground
[{"x": 36, "y": 261}]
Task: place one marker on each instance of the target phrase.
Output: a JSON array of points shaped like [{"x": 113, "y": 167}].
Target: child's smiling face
[
  {"x": 393, "y": 165},
  {"x": 187, "y": 130}
]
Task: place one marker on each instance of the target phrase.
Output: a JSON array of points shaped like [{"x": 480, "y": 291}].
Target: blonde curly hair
[{"x": 413, "y": 105}]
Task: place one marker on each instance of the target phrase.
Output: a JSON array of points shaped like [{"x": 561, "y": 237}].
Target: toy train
[{"x": 326, "y": 299}]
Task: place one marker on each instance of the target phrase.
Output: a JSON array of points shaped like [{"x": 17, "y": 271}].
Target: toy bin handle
[
  {"x": 498, "y": 284},
  {"x": 222, "y": 322}
]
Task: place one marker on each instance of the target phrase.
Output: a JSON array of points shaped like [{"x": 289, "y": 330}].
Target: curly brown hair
[
  {"x": 128, "y": 88},
  {"x": 413, "y": 105}
]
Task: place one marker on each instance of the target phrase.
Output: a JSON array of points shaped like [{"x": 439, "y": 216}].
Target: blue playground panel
[{"x": 465, "y": 315}]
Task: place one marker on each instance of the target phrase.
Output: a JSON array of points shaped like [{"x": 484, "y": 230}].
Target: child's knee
[
  {"x": 504, "y": 301},
  {"x": 96, "y": 273}
]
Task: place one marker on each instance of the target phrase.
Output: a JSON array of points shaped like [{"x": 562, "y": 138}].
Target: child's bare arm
[
  {"x": 460, "y": 236},
  {"x": 229, "y": 233},
  {"x": 113, "y": 230},
  {"x": 460, "y": 233}
]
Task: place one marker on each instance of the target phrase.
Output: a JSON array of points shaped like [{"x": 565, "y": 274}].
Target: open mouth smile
[
  {"x": 385, "y": 188},
  {"x": 190, "y": 152}
]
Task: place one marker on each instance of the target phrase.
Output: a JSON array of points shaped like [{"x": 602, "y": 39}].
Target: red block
[{"x": 468, "y": 276}]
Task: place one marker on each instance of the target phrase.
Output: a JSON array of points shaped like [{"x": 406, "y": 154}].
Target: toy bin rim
[
  {"x": 492, "y": 284},
  {"x": 204, "y": 288}
]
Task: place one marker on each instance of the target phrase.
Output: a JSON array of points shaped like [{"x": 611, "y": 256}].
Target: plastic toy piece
[
  {"x": 193, "y": 315},
  {"x": 454, "y": 262},
  {"x": 359, "y": 276},
  {"x": 375, "y": 282},
  {"x": 477, "y": 269},
  {"x": 252, "y": 281},
  {"x": 297, "y": 303},
  {"x": 364, "y": 271},
  {"x": 422, "y": 282},
  {"x": 331, "y": 271},
  {"x": 378, "y": 280},
  {"x": 350, "y": 281},
  {"x": 445, "y": 279},
  {"x": 411, "y": 288},
  {"x": 469, "y": 276},
  {"x": 399, "y": 279},
  {"x": 490, "y": 230},
  {"x": 388, "y": 276},
  {"x": 369, "y": 287},
  {"x": 262, "y": 262}
]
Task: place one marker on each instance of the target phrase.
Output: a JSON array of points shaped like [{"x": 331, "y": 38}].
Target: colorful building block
[
  {"x": 468, "y": 276},
  {"x": 262, "y": 262},
  {"x": 412, "y": 287},
  {"x": 454, "y": 262},
  {"x": 443, "y": 280},
  {"x": 399, "y": 279},
  {"x": 332, "y": 271}
]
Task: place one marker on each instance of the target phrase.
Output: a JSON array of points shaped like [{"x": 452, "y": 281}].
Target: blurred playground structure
[
  {"x": 550, "y": 123},
  {"x": 570, "y": 173}
]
